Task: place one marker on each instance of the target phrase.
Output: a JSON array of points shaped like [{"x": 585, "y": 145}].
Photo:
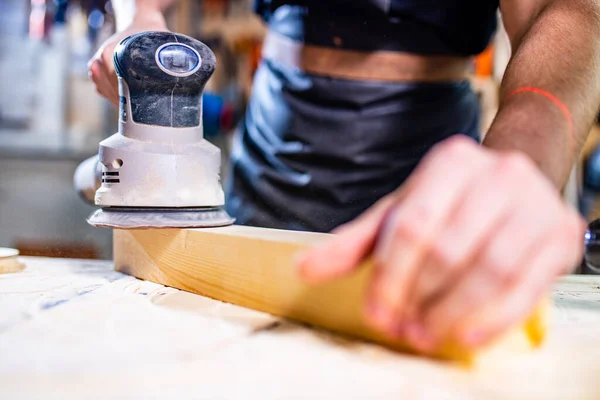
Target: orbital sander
[{"x": 158, "y": 171}]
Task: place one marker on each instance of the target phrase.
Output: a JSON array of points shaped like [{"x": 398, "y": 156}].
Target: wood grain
[
  {"x": 253, "y": 267},
  {"x": 73, "y": 329}
]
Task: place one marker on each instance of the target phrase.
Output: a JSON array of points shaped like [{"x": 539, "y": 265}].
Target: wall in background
[{"x": 40, "y": 213}]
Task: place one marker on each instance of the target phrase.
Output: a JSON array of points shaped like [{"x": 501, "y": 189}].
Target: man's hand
[
  {"x": 462, "y": 251},
  {"x": 101, "y": 67}
]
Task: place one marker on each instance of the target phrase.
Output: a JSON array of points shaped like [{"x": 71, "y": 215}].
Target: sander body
[{"x": 158, "y": 170}]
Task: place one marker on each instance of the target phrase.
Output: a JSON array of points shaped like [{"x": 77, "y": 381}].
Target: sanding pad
[
  {"x": 9, "y": 261},
  {"x": 157, "y": 218}
]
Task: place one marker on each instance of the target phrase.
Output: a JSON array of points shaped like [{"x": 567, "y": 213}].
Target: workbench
[{"x": 72, "y": 329}]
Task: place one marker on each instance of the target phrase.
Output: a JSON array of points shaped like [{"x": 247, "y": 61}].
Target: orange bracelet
[{"x": 556, "y": 101}]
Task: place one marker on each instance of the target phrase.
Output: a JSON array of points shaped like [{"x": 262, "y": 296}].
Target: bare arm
[
  {"x": 556, "y": 48},
  {"x": 126, "y": 11},
  {"x": 478, "y": 234}
]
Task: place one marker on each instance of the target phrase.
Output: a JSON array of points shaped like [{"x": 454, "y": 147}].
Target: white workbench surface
[{"x": 73, "y": 329}]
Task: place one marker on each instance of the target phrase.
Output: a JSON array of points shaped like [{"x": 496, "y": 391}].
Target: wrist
[
  {"x": 148, "y": 17},
  {"x": 139, "y": 15},
  {"x": 530, "y": 124}
]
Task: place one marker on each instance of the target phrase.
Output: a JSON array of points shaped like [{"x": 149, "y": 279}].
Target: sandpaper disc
[{"x": 157, "y": 218}]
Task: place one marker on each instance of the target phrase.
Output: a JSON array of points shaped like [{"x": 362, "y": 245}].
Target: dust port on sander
[{"x": 117, "y": 163}]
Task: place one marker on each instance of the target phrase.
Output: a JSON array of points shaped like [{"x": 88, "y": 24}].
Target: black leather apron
[{"x": 315, "y": 152}]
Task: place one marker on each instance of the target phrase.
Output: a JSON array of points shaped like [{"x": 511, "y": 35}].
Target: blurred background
[{"x": 51, "y": 118}]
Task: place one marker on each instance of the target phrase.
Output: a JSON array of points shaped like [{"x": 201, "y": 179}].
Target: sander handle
[{"x": 161, "y": 78}]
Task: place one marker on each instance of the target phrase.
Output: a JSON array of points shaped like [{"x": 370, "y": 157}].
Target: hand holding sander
[{"x": 158, "y": 171}]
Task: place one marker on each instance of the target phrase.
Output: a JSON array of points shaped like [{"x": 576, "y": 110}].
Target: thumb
[{"x": 350, "y": 244}]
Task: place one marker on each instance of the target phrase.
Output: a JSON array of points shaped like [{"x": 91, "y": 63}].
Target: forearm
[
  {"x": 129, "y": 11},
  {"x": 560, "y": 54}
]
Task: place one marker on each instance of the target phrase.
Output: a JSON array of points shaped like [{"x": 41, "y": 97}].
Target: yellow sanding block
[{"x": 526, "y": 336}]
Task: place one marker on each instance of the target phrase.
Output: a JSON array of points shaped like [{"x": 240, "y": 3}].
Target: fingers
[
  {"x": 412, "y": 227},
  {"x": 459, "y": 242},
  {"x": 103, "y": 75},
  {"x": 345, "y": 251},
  {"x": 523, "y": 256},
  {"x": 101, "y": 78},
  {"x": 560, "y": 249},
  {"x": 463, "y": 250},
  {"x": 101, "y": 66},
  {"x": 353, "y": 241},
  {"x": 109, "y": 68},
  {"x": 495, "y": 261}
]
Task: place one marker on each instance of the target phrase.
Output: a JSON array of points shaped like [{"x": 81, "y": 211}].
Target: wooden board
[
  {"x": 253, "y": 267},
  {"x": 74, "y": 329}
]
